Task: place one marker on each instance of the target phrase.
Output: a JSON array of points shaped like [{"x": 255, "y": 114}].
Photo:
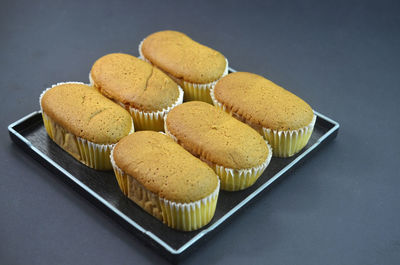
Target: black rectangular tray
[{"x": 102, "y": 188}]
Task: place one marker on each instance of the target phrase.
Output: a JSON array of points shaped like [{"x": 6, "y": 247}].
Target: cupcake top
[
  {"x": 164, "y": 167},
  {"x": 182, "y": 57},
  {"x": 133, "y": 82},
  {"x": 84, "y": 112},
  {"x": 215, "y": 136},
  {"x": 262, "y": 102}
]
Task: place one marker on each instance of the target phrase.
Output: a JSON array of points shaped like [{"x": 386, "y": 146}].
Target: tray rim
[{"x": 140, "y": 228}]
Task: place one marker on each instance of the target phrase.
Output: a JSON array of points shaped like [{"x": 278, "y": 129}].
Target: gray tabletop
[{"x": 340, "y": 207}]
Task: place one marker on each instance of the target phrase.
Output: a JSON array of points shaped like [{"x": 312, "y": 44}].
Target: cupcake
[
  {"x": 193, "y": 66},
  {"x": 285, "y": 120},
  {"x": 165, "y": 180},
  {"x": 83, "y": 122},
  {"x": 145, "y": 91},
  {"x": 235, "y": 151}
]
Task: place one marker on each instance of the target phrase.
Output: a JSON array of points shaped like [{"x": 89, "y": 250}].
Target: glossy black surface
[{"x": 104, "y": 184}]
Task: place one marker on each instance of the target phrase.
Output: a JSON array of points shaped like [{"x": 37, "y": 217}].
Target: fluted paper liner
[
  {"x": 152, "y": 120},
  {"x": 181, "y": 216},
  {"x": 233, "y": 179},
  {"x": 96, "y": 156},
  {"x": 148, "y": 120},
  {"x": 287, "y": 143},
  {"x": 193, "y": 91},
  {"x": 284, "y": 143}
]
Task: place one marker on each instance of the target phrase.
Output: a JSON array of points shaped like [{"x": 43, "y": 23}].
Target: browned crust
[
  {"x": 262, "y": 102},
  {"x": 215, "y": 136},
  {"x": 164, "y": 167},
  {"x": 180, "y": 56},
  {"x": 83, "y": 111},
  {"x": 132, "y": 81}
]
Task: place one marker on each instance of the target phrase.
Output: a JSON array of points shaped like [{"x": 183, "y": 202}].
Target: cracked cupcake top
[
  {"x": 131, "y": 81},
  {"x": 84, "y": 112},
  {"x": 215, "y": 136}
]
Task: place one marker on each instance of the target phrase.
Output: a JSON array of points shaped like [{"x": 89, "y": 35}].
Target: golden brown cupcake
[
  {"x": 193, "y": 66},
  {"x": 285, "y": 120},
  {"x": 83, "y": 122},
  {"x": 236, "y": 152},
  {"x": 166, "y": 180},
  {"x": 141, "y": 88}
]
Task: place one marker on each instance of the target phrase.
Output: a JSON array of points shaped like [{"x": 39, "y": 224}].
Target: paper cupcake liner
[
  {"x": 144, "y": 120},
  {"x": 233, "y": 179},
  {"x": 201, "y": 92},
  {"x": 152, "y": 120},
  {"x": 193, "y": 91},
  {"x": 285, "y": 143},
  {"x": 96, "y": 156},
  {"x": 290, "y": 142},
  {"x": 239, "y": 179},
  {"x": 180, "y": 216}
]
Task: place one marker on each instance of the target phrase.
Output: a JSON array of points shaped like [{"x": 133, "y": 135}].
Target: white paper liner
[
  {"x": 239, "y": 179},
  {"x": 148, "y": 120},
  {"x": 89, "y": 153},
  {"x": 233, "y": 179},
  {"x": 145, "y": 119},
  {"x": 193, "y": 91},
  {"x": 285, "y": 143},
  {"x": 181, "y": 216}
]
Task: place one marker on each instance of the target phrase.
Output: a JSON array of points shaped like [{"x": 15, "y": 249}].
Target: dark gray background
[{"x": 342, "y": 57}]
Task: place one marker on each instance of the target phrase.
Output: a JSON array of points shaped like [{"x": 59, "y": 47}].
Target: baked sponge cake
[
  {"x": 83, "y": 122},
  {"x": 285, "y": 120},
  {"x": 193, "y": 66},
  {"x": 236, "y": 152},
  {"x": 145, "y": 91},
  {"x": 166, "y": 180}
]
